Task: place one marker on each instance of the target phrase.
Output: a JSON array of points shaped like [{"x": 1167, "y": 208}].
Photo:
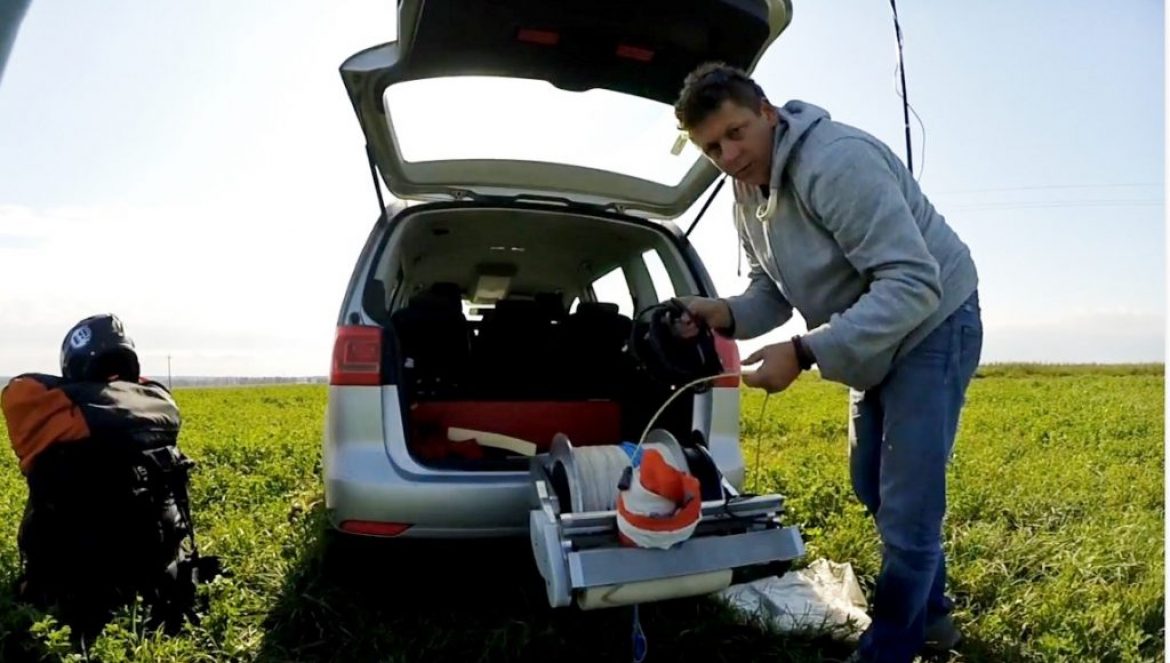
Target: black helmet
[{"x": 97, "y": 349}]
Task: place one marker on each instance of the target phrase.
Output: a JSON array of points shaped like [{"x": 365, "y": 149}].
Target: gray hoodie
[{"x": 847, "y": 238}]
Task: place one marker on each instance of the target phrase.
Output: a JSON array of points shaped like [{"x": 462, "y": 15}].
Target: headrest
[
  {"x": 517, "y": 307},
  {"x": 431, "y": 301},
  {"x": 551, "y": 304},
  {"x": 595, "y": 308},
  {"x": 448, "y": 290}
]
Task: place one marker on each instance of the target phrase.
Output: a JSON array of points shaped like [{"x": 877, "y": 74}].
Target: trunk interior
[{"x": 510, "y": 326}]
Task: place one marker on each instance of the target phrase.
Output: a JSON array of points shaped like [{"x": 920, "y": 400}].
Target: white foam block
[
  {"x": 612, "y": 596},
  {"x": 487, "y": 439}
]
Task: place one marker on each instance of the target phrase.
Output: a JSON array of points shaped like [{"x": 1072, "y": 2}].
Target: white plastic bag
[{"x": 823, "y": 599}]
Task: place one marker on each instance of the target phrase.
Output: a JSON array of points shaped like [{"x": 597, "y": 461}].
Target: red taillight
[
  {"x": 357, "y": 356},
  {"x": 541, "y": 37},
  {"x": 729, "y": 357},
  {"x": 373, "y": 528},
  {"x": 635, "y": 53}
]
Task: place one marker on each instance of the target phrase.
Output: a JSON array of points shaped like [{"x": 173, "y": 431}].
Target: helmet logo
[{"x": 80, "y": 338}]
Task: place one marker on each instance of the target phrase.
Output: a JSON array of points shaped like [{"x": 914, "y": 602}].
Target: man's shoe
[{"x": 941, "y": 635}]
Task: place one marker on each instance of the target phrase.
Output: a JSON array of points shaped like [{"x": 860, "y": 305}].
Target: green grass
[{"x": 1055, "y": 536}]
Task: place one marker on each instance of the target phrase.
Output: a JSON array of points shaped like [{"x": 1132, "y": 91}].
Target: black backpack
[{"x": 108, "y": 517}]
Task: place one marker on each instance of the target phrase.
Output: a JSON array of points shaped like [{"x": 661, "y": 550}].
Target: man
[{"x": 835, "y": 227}]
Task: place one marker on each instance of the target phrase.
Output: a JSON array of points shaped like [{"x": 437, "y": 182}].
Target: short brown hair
[{"x": 708, "y": 86}]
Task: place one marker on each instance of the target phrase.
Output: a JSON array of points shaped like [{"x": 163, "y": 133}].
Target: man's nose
[{"x": 730, "y": 153}]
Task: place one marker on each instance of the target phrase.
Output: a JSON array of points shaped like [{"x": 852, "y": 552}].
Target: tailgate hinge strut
[
  {"x": 377, "y": 186},
  {"x": 705, "y": 206}
]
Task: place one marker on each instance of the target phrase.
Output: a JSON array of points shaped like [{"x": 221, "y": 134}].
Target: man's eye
[{"x": 734, "y": 133}]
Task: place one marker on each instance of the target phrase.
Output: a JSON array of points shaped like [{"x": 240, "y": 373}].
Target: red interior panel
[{"x": 585, "y": 422}]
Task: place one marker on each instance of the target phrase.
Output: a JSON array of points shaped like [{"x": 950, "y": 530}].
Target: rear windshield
[{"x": 470, "y": 117}]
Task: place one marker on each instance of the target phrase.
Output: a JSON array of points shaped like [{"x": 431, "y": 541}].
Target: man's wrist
[
  {"x": 729, "y": 329},
  {"x": 804, "y": 356}
]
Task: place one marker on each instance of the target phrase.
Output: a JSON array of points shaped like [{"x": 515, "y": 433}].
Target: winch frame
[{"x": 578, "y": 551}]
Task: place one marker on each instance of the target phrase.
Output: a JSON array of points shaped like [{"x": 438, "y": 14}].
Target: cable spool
[
  {"x": 586, "y": 478},
  {"x": 658, "y": 503}
]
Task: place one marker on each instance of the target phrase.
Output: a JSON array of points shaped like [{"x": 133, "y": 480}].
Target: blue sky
[{"x": 197, "y": 169}]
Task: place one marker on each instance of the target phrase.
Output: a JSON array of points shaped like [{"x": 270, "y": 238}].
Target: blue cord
[
  {"x": 633, "y": 451},
  {"x": 639, "y": 639}
]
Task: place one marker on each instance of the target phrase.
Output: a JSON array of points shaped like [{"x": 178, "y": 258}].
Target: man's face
[{"x": 739, "y": 141}]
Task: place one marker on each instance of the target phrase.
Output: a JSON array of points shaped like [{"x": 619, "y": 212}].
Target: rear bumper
[
  {"x": 364, "y": 483},
  {"x": 361, "y": 484}
]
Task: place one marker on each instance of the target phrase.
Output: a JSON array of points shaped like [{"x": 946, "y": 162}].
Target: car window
[
  {"x": 663, "y": 286},
  {"x": 598, "y": 129},
  {"x": 614, "y": 288}
]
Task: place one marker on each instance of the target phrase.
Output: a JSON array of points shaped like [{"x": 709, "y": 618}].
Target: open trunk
[
  {"x": 473, "y": 68},
  {"x": 510, "y": 327}
]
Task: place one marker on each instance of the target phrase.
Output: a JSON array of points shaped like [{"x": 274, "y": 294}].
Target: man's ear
[{"x": 769, "y": 112}]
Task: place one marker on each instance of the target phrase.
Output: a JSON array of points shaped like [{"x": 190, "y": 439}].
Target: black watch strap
[{"x": 804, "y": 356}]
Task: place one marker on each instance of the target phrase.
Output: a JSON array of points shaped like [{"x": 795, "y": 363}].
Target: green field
[{"x": 1055, "y": 535}]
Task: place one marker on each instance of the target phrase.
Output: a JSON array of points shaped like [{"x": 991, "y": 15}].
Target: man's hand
[
  {"x": 714, "y": 312},
  {"x": 780, "y": 367}
]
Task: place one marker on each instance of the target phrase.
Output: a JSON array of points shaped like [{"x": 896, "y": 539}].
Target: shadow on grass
[
  {"x": 359, "y": 600},
  {"x": 16, "y": 621},
  {"x": 351, "y": 599}
]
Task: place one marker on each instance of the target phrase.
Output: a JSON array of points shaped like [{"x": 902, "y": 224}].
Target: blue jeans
[{"x": 901, "y": 436}]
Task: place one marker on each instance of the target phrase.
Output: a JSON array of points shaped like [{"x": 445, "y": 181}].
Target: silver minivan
[{"x": 489, "y": 311}]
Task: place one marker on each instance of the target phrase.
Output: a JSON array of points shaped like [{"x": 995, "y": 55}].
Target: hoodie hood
[
  {"x": 844, "y": 235},
  {"x": 796, "y": 119}
]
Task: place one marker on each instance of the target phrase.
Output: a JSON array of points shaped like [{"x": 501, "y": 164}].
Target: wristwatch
[{"x": 804, "y": 356}]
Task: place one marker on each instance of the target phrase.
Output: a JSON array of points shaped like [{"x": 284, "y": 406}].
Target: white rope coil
[{"x": 600, "y": 468}]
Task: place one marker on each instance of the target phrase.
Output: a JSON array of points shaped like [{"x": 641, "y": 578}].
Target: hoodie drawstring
[{"x": 766, "y": 212}]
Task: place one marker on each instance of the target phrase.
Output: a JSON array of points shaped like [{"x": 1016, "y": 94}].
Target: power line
[
  {"x": 1041, "y": 187},
  {"x": 1055, "y": 204},
  {"x": 921, "y": 126}
]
